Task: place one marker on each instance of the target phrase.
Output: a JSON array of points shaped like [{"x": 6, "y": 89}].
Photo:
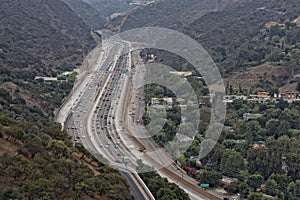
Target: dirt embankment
[{"x": 260, "y": 77}]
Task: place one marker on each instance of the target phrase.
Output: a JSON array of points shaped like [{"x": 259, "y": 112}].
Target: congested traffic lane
[{"x": 91, "y": 121}]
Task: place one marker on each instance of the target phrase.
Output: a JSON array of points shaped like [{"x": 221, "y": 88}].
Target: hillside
[
  {"x": 192, "y": 15},
  {"x": 162, "y": 13},
  {"x": 39, "y": 38},
  {"x": 43, "y": 164},
  {"x": 173, "y": 14},
  {"x": 41, "y": 35},
  {"x": 37, "y": 159},
  {"x": 237, "y": 34},
  {"x": 108, "y": 7},
  {"x": 227, "y": 32},
  {"x": 222, "y": 27},
  {"x": 92, "y": 17},
  {"x": 262, "y": 77}
]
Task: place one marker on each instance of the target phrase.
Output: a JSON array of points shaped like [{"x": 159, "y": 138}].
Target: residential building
[
  {"x": 231, "y": 98},
  {"x": 287, "y": 95},
  {"x": 248, "y": 116},
  {"x": 162, "y": 101},
  {"x": 260, "y": 97}
]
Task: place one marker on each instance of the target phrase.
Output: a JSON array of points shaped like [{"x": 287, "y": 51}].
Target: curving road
[
  {"x": 87, "y": 115},
  {"x": 103, "y": 114}
]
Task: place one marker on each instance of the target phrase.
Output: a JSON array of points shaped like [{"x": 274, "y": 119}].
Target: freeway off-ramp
[{"x": 97, "y": 115}]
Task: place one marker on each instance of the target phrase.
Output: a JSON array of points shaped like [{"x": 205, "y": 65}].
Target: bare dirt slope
[{"x": 260, "y": 77}]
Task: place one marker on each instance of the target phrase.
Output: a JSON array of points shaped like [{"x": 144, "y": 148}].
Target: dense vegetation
[
  {"x": 29, "y": 40},
  {"x": 45, "y": 165},
  {"x": 37, "y": 159},
  {"x": 160, "y": 187},
  {"x": 256, "y": 152},
  {"x": 172, "y": 14},
  {"x": 92, "y": 17},
  {"x": 223, "y": 32},
  {"x": 260, "y": 155},
  {"x": 276, "y": 49},
  {"x": 279, "y": 44}
]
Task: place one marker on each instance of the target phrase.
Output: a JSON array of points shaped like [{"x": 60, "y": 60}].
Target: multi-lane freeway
[
  {"x": 98, "y": 114},
  {"x": 88, "y": 114}
]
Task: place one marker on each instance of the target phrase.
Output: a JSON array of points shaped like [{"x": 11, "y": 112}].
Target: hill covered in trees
[
  {"x": 227, "y": 32},
  {"x": 38, "y": 38},
  {"x": 91, "y": 16},
  {"x": 172, "y": 14},
  {"x": 223, "y": 28},
  {"x": 37, "y": 159}
]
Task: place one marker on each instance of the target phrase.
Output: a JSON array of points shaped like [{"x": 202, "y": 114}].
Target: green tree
[
  {"x": 290, "y": 25},
  {"x": 211, "y": 177},
  {"x": 284, "y": 142},
  {"x": 182, "y": 159},
  {"x": 271, "y": 187},
  {"x": 253, "y": 131},
  {"x": 58, "y": 148},
  {"x": 272, "y": 126},
  {"x": 297, "y": 189},
  {"x": 244, "y": 189},
  {"x": 255, "y": 181},
  {"x": 238, "y": 103},
  {"x": 291, "y": 188},
  {"x": 233, "y": 164},
  {"x": 213, "y": 160},
  {"x": 282, "y": 104},
  {"x": 296, "y": 58},
  {"x": 255, "y": 196},
  {"x": 276, "y": 31},
  {"x": 232, "y": 188},
  {"x": 283, "y": 129},
  {"x": 229, "y": 144},
  {"x": 293, "y": 161},
  {"x": 282, "y": 181},
  {"x": 166, "y": 194},
  {"x": 292, "y": 116},
  {"x": 33, "y": 145},
  {"x": 10, "y": 194},
  {"x": 193, "y": 149},
  {"x": 80, "y": 188},
  {"x": 257, "y": 162}
]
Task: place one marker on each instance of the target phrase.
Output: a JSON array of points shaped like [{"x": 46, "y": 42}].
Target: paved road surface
[{"x": 99, "y": 115}]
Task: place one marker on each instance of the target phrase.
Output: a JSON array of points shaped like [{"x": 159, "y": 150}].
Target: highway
[
  {"x": 91, "y": 109},
  {"x": 104, "y": 113}
]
